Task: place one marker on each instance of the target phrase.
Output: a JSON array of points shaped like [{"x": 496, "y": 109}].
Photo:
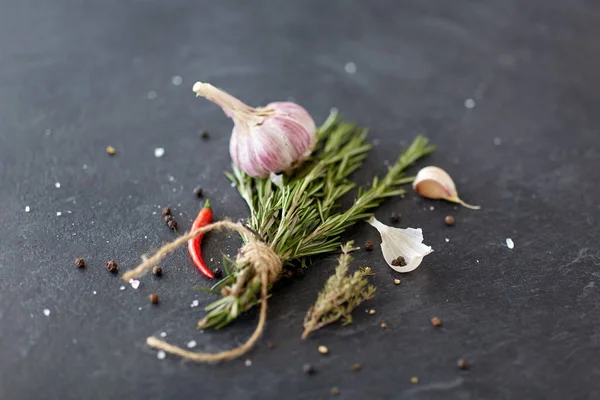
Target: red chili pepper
[{"x": 204, "y": 218}]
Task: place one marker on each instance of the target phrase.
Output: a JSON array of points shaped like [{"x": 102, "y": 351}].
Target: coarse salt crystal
[
  {"x": 248, "y": 363},
  {"x": 509, "y": 243},
  {"x": 171, "y": 178},
  {"x": 58, "y": 213},
  {"x": 27, "y": 209},
  {"x": 195, "y": 303},
  {"x": 84, "y": 166},
  {"x": 431, "y": 208},
  {"x": 469, "y": 103},
  {"x": 161, "y": 355},
  {"x": 46, "y": 312},
  {"x": 176, "y": 80},
  {"x": 57, "y": 185},
  {"x": 191, "y": 344},
  {"x": 122, "y": 288},
  {"x": 350, "y": 68},
  {"x": 152, "y": 95},
  {"x": 447, "y": 240},
  {"x": 134, "y": 283},
  {"x": 163, "y": 334},
  {"x": 159, "y": 152}
]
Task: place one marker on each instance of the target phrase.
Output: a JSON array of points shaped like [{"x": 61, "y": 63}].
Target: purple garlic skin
[{"x": 271, "y": 139}]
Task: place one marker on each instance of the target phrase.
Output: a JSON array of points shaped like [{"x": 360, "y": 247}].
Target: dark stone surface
[{"x": 75, "y": 77}]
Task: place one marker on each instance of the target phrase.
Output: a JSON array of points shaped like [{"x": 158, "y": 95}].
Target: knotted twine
[{"x": 255, "y": 254}]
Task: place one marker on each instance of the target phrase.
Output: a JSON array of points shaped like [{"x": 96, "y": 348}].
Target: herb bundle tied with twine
[{"x": 289, "y": 223}]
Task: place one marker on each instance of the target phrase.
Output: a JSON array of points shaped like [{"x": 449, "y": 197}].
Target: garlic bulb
[
  {"x": 403, "y": 249},
  {"x": 275, "y": 138},
  {"x": 435, "y": 183}
]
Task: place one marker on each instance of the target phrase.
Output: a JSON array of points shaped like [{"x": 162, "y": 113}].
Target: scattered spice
[
  {"x": 322, "y": 349},
  {"x": 168, "y": 218},
  {"x": 198, "y": 191},
  {"x": 172, "y": 224},
  {"x": 111, "y": 150},
  {"x": 217, "y": 273},
  {"x": 166, "y": 211},
  {"x": 369, "y": 245},
  {"x": 204, "y": 134},
  {"x": 462, "y": 364},
  {"x": 397, "y": 281},
  {"x": 335, "y": 391},
  {"x": 341, "y": 294},
  {"x": 372, "y": 311},
  {"x": 194, "y": 244},
  {"x": 399, "y": 262},
  {"x": 449, "y": 220},
  {"x": 157, "y": 270},
  {"x": 435, "y": 321},
  {"x": 154, "y": 298},
  {"x": 383, "y": 325},
  {"x": 414, "y": 380},
  {"x": 355, "y": 367},
  {"x": 394, "y": 217},
  {"x": 80, "y": 262},
  {"x": 435, "y": 183},
  {"x": 403, "y": 249},
  {"x": 308, "y": 369},
  {"x": 112, "y": 267}
]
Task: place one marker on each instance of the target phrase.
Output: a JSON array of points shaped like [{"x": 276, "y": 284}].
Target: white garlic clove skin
[
  {"x": 397, "y": 242},
  {"x": 435, "y": 183}
]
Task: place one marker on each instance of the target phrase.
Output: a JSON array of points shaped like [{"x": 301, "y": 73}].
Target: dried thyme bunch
[
  {"x": 340, "y": 296},
  {"x": 301, "y": 217}
]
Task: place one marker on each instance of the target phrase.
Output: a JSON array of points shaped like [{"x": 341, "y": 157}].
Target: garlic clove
[
  {"x": 435, "y": 183},
  {"x": 402, "y": 249}
]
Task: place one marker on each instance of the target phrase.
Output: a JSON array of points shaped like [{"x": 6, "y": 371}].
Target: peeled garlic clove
[
  {"x": 435, "y": 183},
  {"x": 403, "y": 249},
  {"x": 271, "y": 139}
]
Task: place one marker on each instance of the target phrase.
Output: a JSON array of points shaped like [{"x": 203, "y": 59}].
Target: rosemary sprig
[
  {"x": 340, "y": 296},
  {"x": 302, "y": 218}
]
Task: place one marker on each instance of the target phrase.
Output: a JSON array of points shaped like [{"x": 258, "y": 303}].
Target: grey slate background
[{"x": 75, "y": 77}]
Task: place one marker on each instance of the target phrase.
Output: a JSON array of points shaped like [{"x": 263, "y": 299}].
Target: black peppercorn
[
  {"x": 154, "y": 298},
  {"x": 166, "y": 211},
  {"x": 308, "y": 369},
  {"x": 395, "y": 217},
  {"x": 204, "y": 134},
  {"x": 80, "y": 262},
  {"x": 198, "y": 192},
  {"x": 369, "y": 245},
  {"x": 399, "y": 262},
  {"x": 112, "y": 266},
  {"x": 157, "y": 270},
  {"x": 217, "y": 273},
  {"x": 172, "y": 224}
]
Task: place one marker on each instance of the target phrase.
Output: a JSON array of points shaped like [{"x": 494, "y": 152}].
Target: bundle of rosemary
[
  {"x": 291, "y": 222},
  {"x": 302, "y": 218}
]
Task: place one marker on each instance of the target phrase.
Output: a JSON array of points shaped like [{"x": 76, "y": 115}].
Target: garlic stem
[
  {"x": 456, "y": 199},
  {"x": 232, "y": 106}
]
